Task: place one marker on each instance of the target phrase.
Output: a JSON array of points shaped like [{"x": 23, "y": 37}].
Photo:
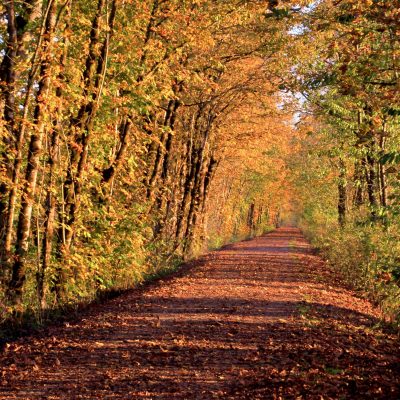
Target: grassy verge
[{"x": 368, "y": 260}]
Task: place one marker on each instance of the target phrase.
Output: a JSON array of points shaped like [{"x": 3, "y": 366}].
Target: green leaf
[{"x": 390, "y": 158}]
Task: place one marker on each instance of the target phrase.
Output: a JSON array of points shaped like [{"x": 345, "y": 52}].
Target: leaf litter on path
[{"x": 255, "y": 320}]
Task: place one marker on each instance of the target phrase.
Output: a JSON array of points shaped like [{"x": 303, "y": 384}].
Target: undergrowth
[
  {"x": 30, "y": 317},
  {"x": 366, "y": 257}
]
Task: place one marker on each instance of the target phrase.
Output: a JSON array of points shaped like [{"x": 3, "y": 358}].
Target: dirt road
[{"x": 261, "y": 319}]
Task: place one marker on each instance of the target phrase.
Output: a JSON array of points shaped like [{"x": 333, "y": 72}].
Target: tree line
[
  {"x": 347, "y": 76},
  {"x": 112, "y": 114}
]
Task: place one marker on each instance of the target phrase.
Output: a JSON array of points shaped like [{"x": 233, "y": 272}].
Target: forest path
[{"x": 260, "y": 319}]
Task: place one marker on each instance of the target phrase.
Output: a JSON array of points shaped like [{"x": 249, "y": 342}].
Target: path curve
[{"x": 256, "y": 320}]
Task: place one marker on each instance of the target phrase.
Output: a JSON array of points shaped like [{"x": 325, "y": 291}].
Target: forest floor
[{"x": 260, "y": 319}]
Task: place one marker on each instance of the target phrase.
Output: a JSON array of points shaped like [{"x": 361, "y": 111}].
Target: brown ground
[{"x": 261, "y": 319}]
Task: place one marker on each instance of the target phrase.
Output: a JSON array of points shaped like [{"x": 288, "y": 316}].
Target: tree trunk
[
  {"x": 83, "y": 124},
  {"x": 371, "y": 178},
  {"x": 342, "y": 194},
  {"x": 170, "y": 137},
  {"x": 109, "y": 172},
  {"x": 8, "y": 76},
  {"x": 160, "y": 151},
  {"x": 251, "y": 219},
  {"x": 28, "y": 12},
  {"x": 212, "y": 166},
  {"x": 186, "y": 194},
  {"x": 164, "y": 177},
  {"x": 51, "y": 204},
  {"x": 382, "y": 175},
  {"x": 359, "y": 181},
  {"x": 50, "y": 216},
  {"x": 35, "y": 150},
  {"x": 196, "y": 188}
]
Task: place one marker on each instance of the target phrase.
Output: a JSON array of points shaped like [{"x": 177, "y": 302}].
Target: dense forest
[{"x": 139, "y": 133}]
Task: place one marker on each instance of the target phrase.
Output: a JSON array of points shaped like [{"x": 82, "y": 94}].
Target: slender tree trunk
[
  {"x": 186, "y": 195},
  {"x": 251, "y": 218},
  {"x": 212, "y": 166},
  {"x": 35, "y": 150},
  {"x": 194, "y": 197},
  {"x": 210, "y": 171},
  {"x": 8, "y": 76},
  {"x": 359, "y": 167},
  {"x": 83, "y": 123},
  {"x": 195, "y": 181},
  {"x": 29, "y": 12},
  {"x": 93, "y": 77},
  {"x": 371, "y": 178},
  {"x": 382, "y": 175},
  {"x": 189, "y": 173},
  {"x": 160, "y": 151},
  {"x": 371, "y": 174},
  {"x": 342, "y": 195},
  {"x": 148, "y": 35},
  {"x": 50, "y": 217},
  {"x": 196, "y": 192},
  {"x": 164, "y": 196},
  {"x": 51, "y": 203},
  {"x": 109, "y": 172},
  {"x": 172, "y": 209},
  {"x": 359, "y": 184},
  {"x": 170, "y": 137},
  {"x": 196, "y": 207}
]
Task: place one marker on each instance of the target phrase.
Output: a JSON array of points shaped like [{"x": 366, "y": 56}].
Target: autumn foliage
[{"x": 117, "y": 117}]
